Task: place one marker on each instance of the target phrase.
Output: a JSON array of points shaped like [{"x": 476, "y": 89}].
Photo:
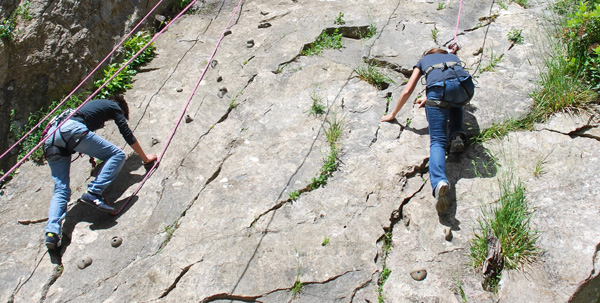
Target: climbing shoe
[
  {"x": 457, "y": 143},
  {"x": 52, "y": 241},
  {"x": 441, "y": 195},
  {"x": 96, "y": 201}
]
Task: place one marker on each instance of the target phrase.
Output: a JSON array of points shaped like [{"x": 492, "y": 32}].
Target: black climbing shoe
[
  {"x": 52, "y": 241},
  {"x": 96, "y": 202},
  {"x": 457, "y": 143}
]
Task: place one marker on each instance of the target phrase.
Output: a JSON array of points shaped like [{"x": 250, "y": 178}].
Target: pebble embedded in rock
[
  {"x": 448, "y": 234},
  {"x": 188, "y": 119},
  {"x": 418, "y": 274},
  {"x": 264, "y": 25},
  {"x": 219, "y": 79},
  {"x": 179, "y": 90},
  {"x": 227, "y": 33},
  {"x": 84, "y": 262},
  {"x": 116, "y": 241}
]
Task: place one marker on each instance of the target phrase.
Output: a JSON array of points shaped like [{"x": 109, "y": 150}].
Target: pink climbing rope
[
  {"x": 454, "y": 45},
  {"x": 81, "y": 83},
  {"x": 162, "y": 153},
  {"x": 94, "y": 94}
]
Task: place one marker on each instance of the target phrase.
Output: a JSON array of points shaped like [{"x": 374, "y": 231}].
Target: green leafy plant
[
  {"x": 122, "y": 81},
  {"x": 294, "y": 195},
  {"x": 494, "y": 60},
  {"x": 297, "y": 288},
  {"x": 385, "y": 274},
  {"x": 324, "y": 41},
  {"x": 169, "y": 231},
  {"x": 325, "y": 241},
  {"x": 515, "y": 36},
  {"x": 371, "y": 31},
  {"x": 9, "y": 25},
  {"x": 333, "y": 130},
  {"x": 370, "y": 73},
  {"x": 460, "y": 290},
  {"x": 434, "y": 34},
  {"x": 539, "y": 168},
  {"x": 503, "y": 5},
  {"x": 385, "y": 271},
  {"x": 581, "y": 37},
  {"x": 317, "y": 108},
  {"x": 339, "y": 20},
  {"x": 134, "y": 44},
  {"x": 441, "y": 6}
]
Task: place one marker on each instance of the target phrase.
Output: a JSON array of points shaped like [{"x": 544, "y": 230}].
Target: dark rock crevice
[
  {"x": 589, "y": 289},
  {"x": 582, "y": 132},
  {"x": 243, "y": 298},
  {"x": 174, "y": 284},
  {"x": 58, "y": 270}
]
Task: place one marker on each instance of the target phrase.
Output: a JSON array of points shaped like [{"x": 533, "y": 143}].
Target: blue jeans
[
  {"x": 92, "y": 145},
  {"x": 440, "y": 128}
]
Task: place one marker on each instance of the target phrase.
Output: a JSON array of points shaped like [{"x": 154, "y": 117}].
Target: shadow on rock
[
  {"x": 474, "y": 162},
  {"x": 100, "y": 220}
]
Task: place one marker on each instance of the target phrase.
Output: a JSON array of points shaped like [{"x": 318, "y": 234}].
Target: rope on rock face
[
  {"x": 81, "y": 83},
  {"x": 162, "y": 153},
  {"x": 454, "y": 45},
  {"x": 94, "y": 94}
]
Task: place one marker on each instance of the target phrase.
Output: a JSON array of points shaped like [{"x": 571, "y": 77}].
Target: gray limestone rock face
[{"x": 232, "y": 213}]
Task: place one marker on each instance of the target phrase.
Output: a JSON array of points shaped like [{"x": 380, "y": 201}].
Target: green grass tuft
[
  {"x": 372, "y": 75},
  {"x": 323, "y": 42},
  {"x": 509, "y": 222}
]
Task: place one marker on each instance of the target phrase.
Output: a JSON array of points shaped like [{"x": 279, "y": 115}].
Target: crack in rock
[
  {"x": 181, "y": 274},
  {"x": 587, "y": 291},
  {"x": 393, "y": 66},
  {"x": 488, "y": 21},
  {"x": 397, "y": 214},
  {"x": 193, "y": 201},
  {"x": 53, "y": 278},
  {"x": 46, "y": 287},
  {"x": 243, "y": 298},
  {"x": 581, "y": 132},
  {"x": 391, "y": 16}
]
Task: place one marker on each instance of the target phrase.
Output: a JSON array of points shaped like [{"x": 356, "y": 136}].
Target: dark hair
[
  {"x": 119, "y": 99},
  {"x": 435, "y": 51}
]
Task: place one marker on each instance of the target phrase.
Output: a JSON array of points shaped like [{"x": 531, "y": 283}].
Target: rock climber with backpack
[
  {"x": 448, "y": 88},
  {"x": 77, "y": 135}
]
